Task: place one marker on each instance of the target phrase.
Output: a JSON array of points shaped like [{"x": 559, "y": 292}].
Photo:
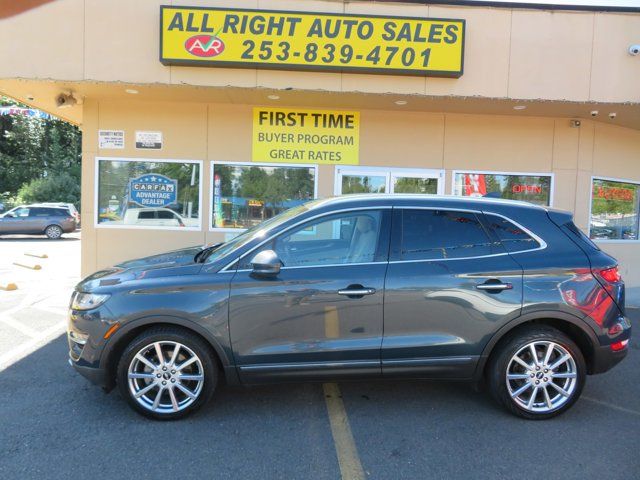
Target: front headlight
[{"x": 87, "y": 301}]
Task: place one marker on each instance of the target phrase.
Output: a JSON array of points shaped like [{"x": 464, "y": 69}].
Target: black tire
[
  {"x": 53, "y": 232},
  {"x": 500, "y": 361},
  {"x": 192, "y": 342}
]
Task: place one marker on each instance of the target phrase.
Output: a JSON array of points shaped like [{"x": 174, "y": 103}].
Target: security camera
[
  {"x": 575, "y": 123},
  {"x": 634, "y": 50},
  {"x": 594, "y": 113},
  {"x": 612, "y": 115},
  {"x": 65, "y": 100}
]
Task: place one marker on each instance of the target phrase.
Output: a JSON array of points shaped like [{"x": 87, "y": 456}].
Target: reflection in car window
[
  {"x": 512, "y": 237},
  {"x": 21, "y": 212},
  {"x": 255, "y": 232},
  {"x": 343, "y": 238},
  {"x": 438, "y": 234}
]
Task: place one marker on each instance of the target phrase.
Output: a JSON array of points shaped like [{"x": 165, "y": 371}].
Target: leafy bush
[{"x": 60, "y": 187}]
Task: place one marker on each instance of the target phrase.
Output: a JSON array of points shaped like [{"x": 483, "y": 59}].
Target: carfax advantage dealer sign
[{"x": 311, "y": 41}]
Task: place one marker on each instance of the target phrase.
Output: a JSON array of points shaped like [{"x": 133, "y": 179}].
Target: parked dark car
[
  {"x": 361, "y": 287},
  {"x": 37, "y": 220}
]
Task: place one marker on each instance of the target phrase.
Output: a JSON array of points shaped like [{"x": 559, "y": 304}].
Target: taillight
[
  {"x": 621, "y": 345},
  {"x": 609, "y": 275}
]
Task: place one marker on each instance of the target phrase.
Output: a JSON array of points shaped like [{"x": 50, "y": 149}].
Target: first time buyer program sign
[
  {"x": 305, "y": 136},
  {"x": 311, "y": 41}
]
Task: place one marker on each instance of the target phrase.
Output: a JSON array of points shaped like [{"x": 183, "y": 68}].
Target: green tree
[
  {"x": 33, "y": 148},
  {"x": 59, "y": 187}
]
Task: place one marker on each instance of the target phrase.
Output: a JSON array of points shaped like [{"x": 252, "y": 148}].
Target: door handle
[
  {"x": 495, "y": 286},
  {"x": 357, "y": 292}
]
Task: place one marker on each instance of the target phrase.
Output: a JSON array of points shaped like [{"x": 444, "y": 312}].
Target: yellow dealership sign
[
  {"x": 305, "y": 136},
  {"x": 311, "y": 41}
]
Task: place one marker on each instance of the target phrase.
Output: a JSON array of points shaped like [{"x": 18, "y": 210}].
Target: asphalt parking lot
[{"x": 54, "y": 424}]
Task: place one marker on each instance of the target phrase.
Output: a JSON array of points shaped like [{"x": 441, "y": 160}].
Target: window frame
[
  {"x": 496, "y": 172},
  {"x": 251, "y": 164},
  {"x": 96, "y": 194},
  {"x": 390, "y": 173},
  {"x": 612, "y": 240}
]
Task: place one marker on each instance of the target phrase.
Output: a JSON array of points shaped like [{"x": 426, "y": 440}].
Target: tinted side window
[
  {"x": 61, "y": 212},
  {"x": 350, "y": 237},
  {"x": 40, "y": 212},
  {"x": 438, "y": 234},
  {"x": 163, "y": 214},
  {"x": 147, "y": 215},
  {"x": 512, "y": 237}
]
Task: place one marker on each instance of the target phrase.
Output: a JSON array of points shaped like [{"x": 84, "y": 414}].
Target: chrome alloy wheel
[
  {"x": 541, "y": 376},
  {"x": 53, "y": 232},
  {"x": 165, "y": 377}
]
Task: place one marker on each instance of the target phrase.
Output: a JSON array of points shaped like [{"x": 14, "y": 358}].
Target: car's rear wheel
[
  {"x": 167, "y": 373},
  {"x": 53, "y": 232},
  {"x": 537, "y": 373}
]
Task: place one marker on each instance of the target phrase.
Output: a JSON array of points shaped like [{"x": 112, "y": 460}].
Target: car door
[
  {"x": 16, "y": 224},
  {"x": 321, "y": 315},
  {"x": 449, "y": 285},
  {"x": 40, "y": 218}
]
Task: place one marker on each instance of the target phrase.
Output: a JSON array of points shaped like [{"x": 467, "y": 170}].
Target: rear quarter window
[
  {"x": 442, "y": 234},
  {"x": 514, "y": 238}
]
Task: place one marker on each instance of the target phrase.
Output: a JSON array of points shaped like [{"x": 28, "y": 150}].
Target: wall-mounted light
[
  {"x": 400, "y": 102},
  {"x": 132, "y": 91},
  {"x": 273, "y": 97},
  {"x": 519, "y": 107}
]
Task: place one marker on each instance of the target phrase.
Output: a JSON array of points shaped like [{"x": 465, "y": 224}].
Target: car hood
[{"x": 169, "y": 264}]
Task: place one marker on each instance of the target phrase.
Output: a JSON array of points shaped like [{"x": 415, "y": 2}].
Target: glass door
[
  {"x": 388, "y": 180},
  {"x": 415, "y": 183}
]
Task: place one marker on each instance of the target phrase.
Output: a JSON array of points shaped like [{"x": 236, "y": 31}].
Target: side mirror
[{"x": 266, "y": 263}]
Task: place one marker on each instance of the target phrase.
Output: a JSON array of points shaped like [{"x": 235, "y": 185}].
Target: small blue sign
[{"x": 153, "y": 190}]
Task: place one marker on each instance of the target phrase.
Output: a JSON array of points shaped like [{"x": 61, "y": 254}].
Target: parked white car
[{"x": 163, "y": 217}]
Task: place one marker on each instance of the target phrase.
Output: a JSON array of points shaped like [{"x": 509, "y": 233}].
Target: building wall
[
  {"x": 509, "y": 53},
  {"x": 222, "y": 132}
]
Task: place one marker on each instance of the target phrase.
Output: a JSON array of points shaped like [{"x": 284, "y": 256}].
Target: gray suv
[
  {"x": 37, "y": 220},
  {"x": 361, "y": 287}
]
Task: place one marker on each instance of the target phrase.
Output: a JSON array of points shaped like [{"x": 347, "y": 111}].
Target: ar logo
[{"x": 204, "y": 45}]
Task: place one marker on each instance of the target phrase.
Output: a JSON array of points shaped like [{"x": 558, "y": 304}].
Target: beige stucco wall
[
  {"x": 514, "y": 53},
  {"x": 222, "y": 132}
]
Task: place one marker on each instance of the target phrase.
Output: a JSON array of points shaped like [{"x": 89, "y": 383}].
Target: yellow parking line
[{"x": 348, "y": 459}]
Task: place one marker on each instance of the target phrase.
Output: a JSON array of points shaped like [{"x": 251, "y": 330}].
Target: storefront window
[
  {"x": 247, "y": 194},
  {"x": 529, "y": 188},
  {"x": 363, "y": 184},
  {"x": 387, "y": 180},
  {"x": 148, "y": 193},
  {"x": 614, "y": 210},
  {"x": 402, "y": 184}
]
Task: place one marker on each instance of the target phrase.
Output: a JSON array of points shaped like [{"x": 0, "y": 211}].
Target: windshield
[{"x": 257, "y": 231}]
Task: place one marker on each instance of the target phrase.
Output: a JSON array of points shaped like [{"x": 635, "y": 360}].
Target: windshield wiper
[{"x": 203, "y": 254}]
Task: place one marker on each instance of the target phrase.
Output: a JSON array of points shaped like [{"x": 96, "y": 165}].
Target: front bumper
[
  {"x": 85, "y": 336},
  {"x": 97, "y": 376}
]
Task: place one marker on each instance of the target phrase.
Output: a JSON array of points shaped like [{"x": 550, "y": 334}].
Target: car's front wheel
[
  {"x": 537, "y": 373},
  {"x": 167, "y": 373}
]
